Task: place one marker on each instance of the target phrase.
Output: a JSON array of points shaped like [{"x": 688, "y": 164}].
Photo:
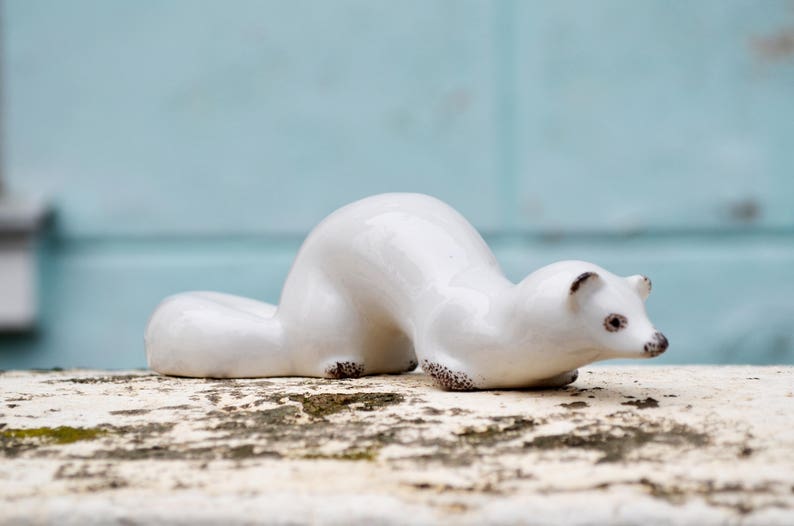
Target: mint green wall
[{"x": 192, "y": 144}]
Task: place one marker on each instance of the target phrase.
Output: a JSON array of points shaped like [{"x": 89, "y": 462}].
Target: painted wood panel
[
  {"x": 253, "y": 116},
  {"x": 193, "y": 116},
  {"x": 653, "y": 115}
]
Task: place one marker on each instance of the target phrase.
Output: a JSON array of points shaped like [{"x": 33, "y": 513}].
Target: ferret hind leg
[{"x": 215, "y": 335}]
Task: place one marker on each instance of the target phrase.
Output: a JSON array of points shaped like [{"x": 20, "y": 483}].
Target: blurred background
[{"x": 188, "y": 144}]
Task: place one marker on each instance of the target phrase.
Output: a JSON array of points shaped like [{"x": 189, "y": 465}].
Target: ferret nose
[{"x": 657, "y": 346}]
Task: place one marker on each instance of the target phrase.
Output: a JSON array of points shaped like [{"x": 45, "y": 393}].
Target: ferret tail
[{"x": 215, "y": 335}]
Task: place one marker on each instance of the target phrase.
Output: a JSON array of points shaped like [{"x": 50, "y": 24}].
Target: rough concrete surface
[{"x": 623, "y": 445}]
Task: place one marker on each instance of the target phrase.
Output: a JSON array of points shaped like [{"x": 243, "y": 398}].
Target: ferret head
[{"x": 611, "y": 311}]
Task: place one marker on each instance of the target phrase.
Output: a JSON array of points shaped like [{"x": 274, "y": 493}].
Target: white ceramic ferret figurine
[{"x": 396, "y": 280}]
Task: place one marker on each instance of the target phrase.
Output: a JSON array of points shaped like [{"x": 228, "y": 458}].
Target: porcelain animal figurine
[{"x": 397, "y": 279}]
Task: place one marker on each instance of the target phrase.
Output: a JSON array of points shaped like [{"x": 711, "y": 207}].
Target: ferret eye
[{"x": 615, "y": 322}]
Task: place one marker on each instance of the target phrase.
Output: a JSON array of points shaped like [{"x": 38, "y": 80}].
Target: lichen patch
[
  {"x": 615, "y": 442},
  {"x": 325, "y": 404}
]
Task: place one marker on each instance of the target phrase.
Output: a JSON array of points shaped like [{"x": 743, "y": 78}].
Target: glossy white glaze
[{"x": 396, "y": 279}]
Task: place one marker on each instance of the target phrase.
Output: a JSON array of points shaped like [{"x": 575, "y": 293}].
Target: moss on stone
[
  {"x": 15, "y": 441},
  {"x": 51, "y": 435},
  {"x": 353, "y": 453}
]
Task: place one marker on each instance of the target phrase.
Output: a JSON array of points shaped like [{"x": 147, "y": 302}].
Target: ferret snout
[{"x": 657, "y": 345}]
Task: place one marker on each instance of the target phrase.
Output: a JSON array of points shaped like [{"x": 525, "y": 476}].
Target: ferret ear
[
  {"x": 641, "y": 284},
  {"x": 584, "y": 284}
]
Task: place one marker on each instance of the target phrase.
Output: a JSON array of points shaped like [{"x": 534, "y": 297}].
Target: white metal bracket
[{"x": 20, "y": 224}]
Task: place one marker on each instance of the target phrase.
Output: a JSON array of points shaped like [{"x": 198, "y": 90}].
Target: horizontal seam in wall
[{"x": 496, "y": 236}]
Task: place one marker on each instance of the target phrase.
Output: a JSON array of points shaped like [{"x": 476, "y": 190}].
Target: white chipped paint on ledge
[{"x": 625, "y": 445}]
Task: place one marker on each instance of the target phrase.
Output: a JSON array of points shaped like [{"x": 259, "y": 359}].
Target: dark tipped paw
[
  {"x": 341, "y": 370},
  {"x": 448, "y": 379}
]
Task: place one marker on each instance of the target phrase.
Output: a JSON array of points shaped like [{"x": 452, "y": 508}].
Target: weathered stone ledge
[{"x": 624, "y": 445}]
